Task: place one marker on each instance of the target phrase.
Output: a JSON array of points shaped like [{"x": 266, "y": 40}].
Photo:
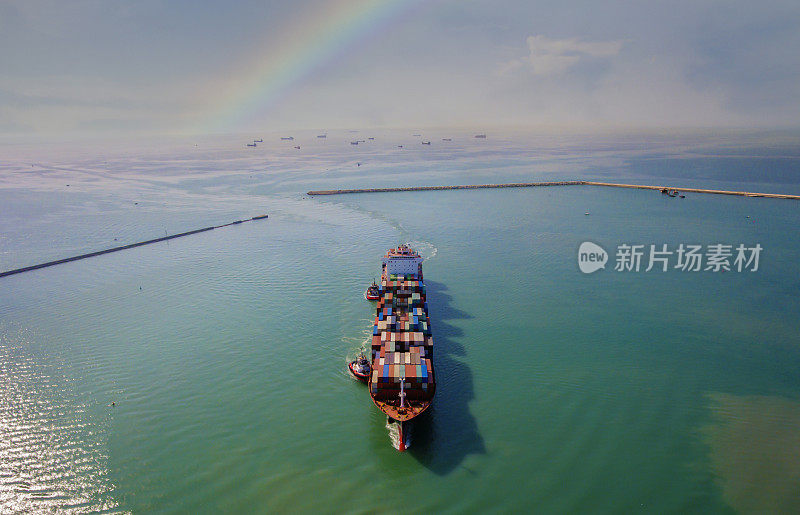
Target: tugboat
[
  {"x": 360, "y": 368},
  {"x": 372, "y": 292}
]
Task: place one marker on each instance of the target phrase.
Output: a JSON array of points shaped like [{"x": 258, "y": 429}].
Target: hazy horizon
[{"x": 100, "y": 68}]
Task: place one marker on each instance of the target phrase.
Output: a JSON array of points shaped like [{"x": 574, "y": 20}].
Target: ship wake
[
  {"x": 394, "y": 433},
  {"x": 425, "y": 249}
]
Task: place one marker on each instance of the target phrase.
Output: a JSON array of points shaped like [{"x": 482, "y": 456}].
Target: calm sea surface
[{"x": 224, "y": 352}]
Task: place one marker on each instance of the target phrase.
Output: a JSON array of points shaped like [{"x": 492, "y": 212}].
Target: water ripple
[{"x": 48, "y": 463}]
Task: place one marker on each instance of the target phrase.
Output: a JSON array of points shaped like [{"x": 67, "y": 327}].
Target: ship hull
[
  {"x": 402, "y": 414},
  {"x": 402, "y": 382}
]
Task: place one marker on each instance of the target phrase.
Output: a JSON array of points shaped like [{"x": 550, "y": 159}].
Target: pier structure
[
  {"x": 551, "y": 183},
  {"x": 124, "y": 247}
]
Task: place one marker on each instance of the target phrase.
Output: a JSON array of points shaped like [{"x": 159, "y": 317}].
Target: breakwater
[
  {"x": 124, "y": 247},
  {"x": 553, "y": 183},
  {"x": 694, "y": 190},
  {"x": 434, "y": 188}
]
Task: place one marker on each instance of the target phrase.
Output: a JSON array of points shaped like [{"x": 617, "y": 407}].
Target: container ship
[{"x": 402, "y": 383}]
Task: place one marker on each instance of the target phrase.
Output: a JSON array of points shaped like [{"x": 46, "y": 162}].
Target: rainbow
[{"x": 306, "y": 46}]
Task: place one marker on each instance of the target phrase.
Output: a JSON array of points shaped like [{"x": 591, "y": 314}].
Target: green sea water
[{"x": 224, "y": 352}]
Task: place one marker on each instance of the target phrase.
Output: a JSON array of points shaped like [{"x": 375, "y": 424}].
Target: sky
[{"x": 202, "y": 67}]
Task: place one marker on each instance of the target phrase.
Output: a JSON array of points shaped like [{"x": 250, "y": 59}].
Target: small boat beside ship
[
  {"x": 360, "y": 368},
  {"x": 672, "y": 192},
  {"x": 372, "y": 292}
]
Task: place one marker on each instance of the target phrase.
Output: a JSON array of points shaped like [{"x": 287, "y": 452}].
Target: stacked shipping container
[{"x": 402, "y": 344}]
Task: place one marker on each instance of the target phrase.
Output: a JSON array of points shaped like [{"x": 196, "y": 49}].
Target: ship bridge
[{"x": 401, "y": 260}]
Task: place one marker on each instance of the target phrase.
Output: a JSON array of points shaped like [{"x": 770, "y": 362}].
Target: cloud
[{"x": 549, "y": 57}]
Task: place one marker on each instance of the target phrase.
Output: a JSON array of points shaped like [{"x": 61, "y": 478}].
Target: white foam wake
[
  {"x": 394, "y": 433},
  {"x": 426, "y": 249}
]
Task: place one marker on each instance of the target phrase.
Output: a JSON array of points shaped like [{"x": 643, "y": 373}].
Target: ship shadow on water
[{"x": 444, "y": 436}]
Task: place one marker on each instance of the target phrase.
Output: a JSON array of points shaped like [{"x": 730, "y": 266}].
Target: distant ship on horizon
[{"x": 480, "y": 136}]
